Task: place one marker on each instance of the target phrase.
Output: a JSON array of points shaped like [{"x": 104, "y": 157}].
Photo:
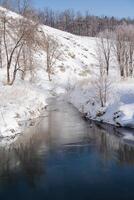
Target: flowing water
[{"x": 67, "y": 158}]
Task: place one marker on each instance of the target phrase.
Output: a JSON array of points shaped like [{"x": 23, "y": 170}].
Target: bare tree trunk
[
  {"x": 8, "y": 74},
  {"x": 15, "y": 67}
]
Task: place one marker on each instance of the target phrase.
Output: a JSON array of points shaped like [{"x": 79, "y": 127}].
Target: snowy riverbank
[
  {"x": 119, "y": 110},
  {"x": 19, "y": 104}
]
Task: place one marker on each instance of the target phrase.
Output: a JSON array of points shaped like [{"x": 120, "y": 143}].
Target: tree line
[
  {"x": 84, "y": 24},
  {"x": 78, "y": 23}
]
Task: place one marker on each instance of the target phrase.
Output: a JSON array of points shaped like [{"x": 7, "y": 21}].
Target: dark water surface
[{"x": 67, "y": 158}]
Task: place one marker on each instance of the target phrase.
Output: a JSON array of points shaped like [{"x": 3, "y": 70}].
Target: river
[{"x": 68, "y": 158}]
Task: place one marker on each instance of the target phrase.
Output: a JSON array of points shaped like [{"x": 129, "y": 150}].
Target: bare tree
[
  {"x": 23, "y": 6},
  {"x": 51, "y": 47},
  {"x": 1, "y": 45},
  {"x": 102, "y": 87},
  {"x": 104, "y": 47},
  {"x": 30, "y": 47},
  {"x": 17, "y": 33},
  {"x": 120, "y": 48},
  {"x": 130, "y": 50},
  {"x": 8, "y": 26},
  {"x": 124, "y": 49},
  {"x": 5, "y": 3},
  {"x": 101, "y": 81},
  {"x": 53, "y": 54}
]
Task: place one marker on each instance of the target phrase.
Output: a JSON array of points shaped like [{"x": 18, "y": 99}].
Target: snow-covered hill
[
  {"x": 72, "y": 80},
  {"x": 77, "y": 81}
]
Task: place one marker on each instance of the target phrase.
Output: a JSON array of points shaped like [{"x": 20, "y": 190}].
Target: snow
[
  {"x": 72, "y": 80},
  {"x": 119, "y": 109},
  {"x": 19, "y": 104}
]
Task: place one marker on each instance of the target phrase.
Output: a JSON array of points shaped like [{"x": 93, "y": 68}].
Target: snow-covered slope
[
  {"x": 72, "y": 80},
  {"x": 77, "y": 78},
  {"x": 75, "y": 73}
]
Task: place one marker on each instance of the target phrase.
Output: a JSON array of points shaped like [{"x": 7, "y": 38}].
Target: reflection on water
[{"x": 67, "y": 158}]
